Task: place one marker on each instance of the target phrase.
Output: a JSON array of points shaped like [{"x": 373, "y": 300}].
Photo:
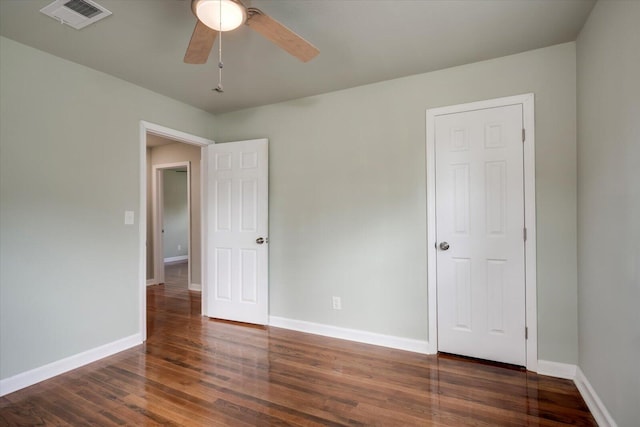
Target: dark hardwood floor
[{"x": 194, "y": 371}]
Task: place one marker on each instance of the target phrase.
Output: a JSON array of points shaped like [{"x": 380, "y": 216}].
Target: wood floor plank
[{"x": 194, "y": 371}]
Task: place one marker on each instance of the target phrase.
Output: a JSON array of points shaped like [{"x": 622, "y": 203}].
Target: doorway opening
[
  {"x": 172, "y": 221},
  {"x": 180, "y": 153}
]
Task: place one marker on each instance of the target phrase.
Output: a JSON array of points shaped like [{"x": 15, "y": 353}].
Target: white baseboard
[
  {"x": 151, "y": 282},
  {"x": 25, "y": 379},
  {"x": 557, "y": 369},
  {"x": 573, "y": 372},
  {"x": 597, "y": 408},
  {"x": 176, "y": 258},
  {"x": 390, "y": 341},
  {"x": 195, "y": 287}
]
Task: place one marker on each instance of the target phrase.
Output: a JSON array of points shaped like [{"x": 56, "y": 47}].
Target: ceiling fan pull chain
[{"x": 220, "y": 64}]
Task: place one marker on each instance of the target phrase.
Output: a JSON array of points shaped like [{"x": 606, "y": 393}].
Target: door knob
[
  {"x": 444, "y": 246},
  {"x": 260, "y": 240}
]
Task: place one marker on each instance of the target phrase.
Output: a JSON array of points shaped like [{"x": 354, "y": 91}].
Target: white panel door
[
  {"x": 479, "y": 229},
  {"x": 236, "y": 225}
]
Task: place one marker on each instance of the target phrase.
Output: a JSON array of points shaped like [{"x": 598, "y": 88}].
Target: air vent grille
[
  {"x": 76, "y": 13},
  {"x": 83, "y": 8}
]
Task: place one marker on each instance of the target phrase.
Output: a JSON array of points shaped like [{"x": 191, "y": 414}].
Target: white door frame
[
  {"x": 527, "y": 102},
  {"x": 157, "y": 218},
  {"x": 179, "y": 136}
]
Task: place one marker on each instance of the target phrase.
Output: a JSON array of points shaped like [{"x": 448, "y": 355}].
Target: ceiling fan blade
[
  {"x": 281, "y": 35},
  {"x": 200, "y": 44}
]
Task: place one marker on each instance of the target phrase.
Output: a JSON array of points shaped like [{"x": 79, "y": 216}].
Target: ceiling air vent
[{"x": 75, "y": 13}]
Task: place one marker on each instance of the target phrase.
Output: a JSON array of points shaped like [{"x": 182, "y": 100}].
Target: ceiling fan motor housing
[
  {"x": 220, "y": 15},
  {"x": 211, "y": 20}
]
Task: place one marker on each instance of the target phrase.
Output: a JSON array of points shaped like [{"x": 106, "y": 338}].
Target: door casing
[{"x": 527, "y": 102}]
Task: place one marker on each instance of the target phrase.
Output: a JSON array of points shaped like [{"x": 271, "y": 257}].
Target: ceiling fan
[{"x": 215, "y": 16}]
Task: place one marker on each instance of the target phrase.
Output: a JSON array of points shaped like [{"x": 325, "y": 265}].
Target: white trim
[
  {"x": 597, "y": 408},
  {"x": 390, "y": 341},
  {"x": 176, "y": 135},
  {"x": 432, "y": 283},
  {"x": 591, "y": 398},
  {"x": 28, "y": 378},
  {"x": 195, "y": 287},
  {"x": 142, "y": 235},
  {"x": 173, "y": 134},
  {"x": 530, "y": 245},
  {"x": 527, "y": 101},
  {"x": 557, "y": 369},
  {"x": 151, "y": 282},
  {"x": 204, "y": 270},
  {"x": 176, "y": 258}
]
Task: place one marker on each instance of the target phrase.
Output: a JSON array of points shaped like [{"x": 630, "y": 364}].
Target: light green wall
[
  {"x": 175, "y": 210},
  {"x": 69, "y": 168},
  {"x": 609, "y": 206},
  {"x": 347, "y": 195}
]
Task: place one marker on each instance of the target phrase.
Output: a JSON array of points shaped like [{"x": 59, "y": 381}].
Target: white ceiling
[{"x": 360, "y": 42}]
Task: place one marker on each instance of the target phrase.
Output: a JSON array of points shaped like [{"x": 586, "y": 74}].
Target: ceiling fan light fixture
[{"x": 209, "y": 11}]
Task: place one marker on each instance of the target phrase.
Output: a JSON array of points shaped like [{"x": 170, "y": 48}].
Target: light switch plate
[{"x": 128, "y": 217}]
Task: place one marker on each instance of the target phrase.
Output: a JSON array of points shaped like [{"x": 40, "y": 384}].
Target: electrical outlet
[
  {"x": 179, "y": 247},
  {"x": 337, "y": 303}
]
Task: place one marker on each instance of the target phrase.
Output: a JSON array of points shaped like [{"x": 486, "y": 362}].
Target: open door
[{"x": 235, "y": 271}]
